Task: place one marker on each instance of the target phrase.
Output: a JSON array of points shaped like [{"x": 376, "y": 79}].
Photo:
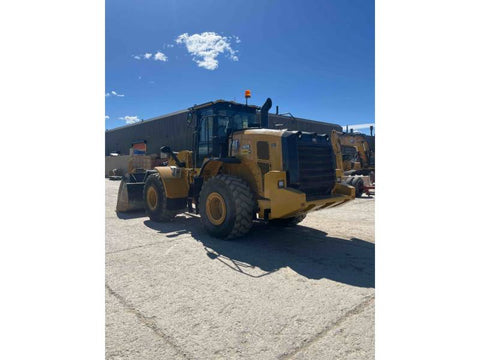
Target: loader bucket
[{"x": 130, "y": 195}]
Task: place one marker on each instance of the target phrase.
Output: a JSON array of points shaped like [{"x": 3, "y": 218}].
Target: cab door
[{"x": 204, "y": 137}]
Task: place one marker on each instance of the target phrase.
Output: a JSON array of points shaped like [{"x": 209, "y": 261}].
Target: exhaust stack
[{"x": 264, "y": 113}]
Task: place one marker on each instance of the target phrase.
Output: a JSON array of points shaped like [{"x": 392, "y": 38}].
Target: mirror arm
[{"x": 168, "y": 151}]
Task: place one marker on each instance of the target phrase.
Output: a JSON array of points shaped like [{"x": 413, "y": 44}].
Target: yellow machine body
[
  {"x": 362, "y": 148},
  {"x": 261, "y": 169},
  {"x": 240, "y": 170},
  {"x": 358, "y": 171}
]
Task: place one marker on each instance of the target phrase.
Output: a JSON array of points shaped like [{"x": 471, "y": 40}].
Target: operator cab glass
[{"x": 216, "y": 123}]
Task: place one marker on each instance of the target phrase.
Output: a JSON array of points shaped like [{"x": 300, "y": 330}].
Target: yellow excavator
[
  {"x": 357, "y": 159},
  {"x": 239, "y": 171}
]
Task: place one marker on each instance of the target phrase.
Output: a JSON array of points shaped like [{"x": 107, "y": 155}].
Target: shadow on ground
[
  {"x": 307, "y": 251},
  {"x": 131, "y": 215}
]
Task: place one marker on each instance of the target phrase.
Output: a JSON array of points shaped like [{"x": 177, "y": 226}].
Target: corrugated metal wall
[
  {"x": 166, "y": 131},
  {"x": 172, "y": 130}
]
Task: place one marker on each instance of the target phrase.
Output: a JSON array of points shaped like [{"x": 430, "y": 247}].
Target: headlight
[{"x": 281, "y": 184}]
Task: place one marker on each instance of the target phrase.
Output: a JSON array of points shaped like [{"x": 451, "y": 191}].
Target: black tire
[
  {"x": 157, "y": 212},
  {"x": 357, "y": 182},
  {"x": 239, "y": 206},
  {"x": 288, "y": 222}
]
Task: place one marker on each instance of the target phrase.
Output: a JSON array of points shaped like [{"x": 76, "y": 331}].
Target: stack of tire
[{"x": 357, "y": 183}]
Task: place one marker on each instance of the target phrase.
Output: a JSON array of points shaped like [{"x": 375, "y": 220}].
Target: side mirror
[{"x": 166, "y": 150}]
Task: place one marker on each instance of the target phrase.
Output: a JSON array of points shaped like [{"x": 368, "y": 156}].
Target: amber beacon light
[{"x": 248, "y": 94}]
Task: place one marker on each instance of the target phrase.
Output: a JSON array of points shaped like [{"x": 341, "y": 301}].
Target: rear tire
[
  {"x": 288, "y": 222},
  {"x": 155, "y": 200},
  {"x": 357, "y": 182},
  {"x": 226, "y": 206}
]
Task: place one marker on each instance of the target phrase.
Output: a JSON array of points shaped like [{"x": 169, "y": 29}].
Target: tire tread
[
  {"x": 163, "y": 214},
  {"x": 244, "y": 203}
]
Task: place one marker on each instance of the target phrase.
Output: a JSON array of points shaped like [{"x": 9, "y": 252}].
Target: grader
[{"x": 239, "y": 171}]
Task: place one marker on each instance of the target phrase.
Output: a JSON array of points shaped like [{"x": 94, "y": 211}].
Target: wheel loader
[
  {"x": 357, "y": 159},
  {"x": 238, "y": 172}
]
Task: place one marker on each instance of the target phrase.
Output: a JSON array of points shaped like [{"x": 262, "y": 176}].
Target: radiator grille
[
  {"x": 316, "y": 170},
  {"x": 310, "y": 164}
]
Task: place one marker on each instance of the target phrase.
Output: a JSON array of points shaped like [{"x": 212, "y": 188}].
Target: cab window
[{"x": 205, "y": 137}]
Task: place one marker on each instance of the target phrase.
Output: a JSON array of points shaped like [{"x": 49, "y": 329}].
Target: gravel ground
[{"x": 174, "y": 292}]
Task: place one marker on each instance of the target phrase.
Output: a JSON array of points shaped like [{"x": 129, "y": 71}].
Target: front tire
[
  {"x": 227, "y": 206},
  {"x": 155, "y": 200}
]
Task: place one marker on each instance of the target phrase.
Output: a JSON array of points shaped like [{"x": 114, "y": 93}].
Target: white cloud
[
  {"x": 206, "y": 47},
  {"x": 130, "y": 119},
  {"x": 160, "y": 56},
  {"x": 113, "y": 93},
  {"x": 107, "y": 117},
  {"x": 116, "y": 94},
  {"x": 147, "y": 56},
  {"x": 170, "y": 45}
]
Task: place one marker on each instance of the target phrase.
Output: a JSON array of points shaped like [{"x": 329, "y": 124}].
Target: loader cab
[{"x": 214, "y": 124}]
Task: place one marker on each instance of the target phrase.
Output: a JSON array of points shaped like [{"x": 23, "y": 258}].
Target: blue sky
[{"x": 315, "y": 59}]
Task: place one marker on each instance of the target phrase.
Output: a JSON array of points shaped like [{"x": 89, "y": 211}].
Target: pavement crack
[
  {"x": 357, "y": 309},
  {"x": 144, "y": 245},
  {"x": 149, "y": 322},
  {"x": 131, "y": 248}
]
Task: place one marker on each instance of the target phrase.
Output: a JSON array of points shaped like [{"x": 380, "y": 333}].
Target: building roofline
[
  {"x": 195, "y": 106},
  {"x": 305, "y": 120},
  {"x": 148, "y": 120}
]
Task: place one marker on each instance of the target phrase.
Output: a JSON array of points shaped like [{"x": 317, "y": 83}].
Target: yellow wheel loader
[{"x": 239, "y": 171}]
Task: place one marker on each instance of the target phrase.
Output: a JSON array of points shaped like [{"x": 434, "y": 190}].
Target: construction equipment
[
  {"x": 239, "y": 171},
  {"x": 130, "y": 192},
  {"x": 357, "y": 159}
]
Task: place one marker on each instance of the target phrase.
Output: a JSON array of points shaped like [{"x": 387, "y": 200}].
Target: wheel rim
[
  {"x": 152, "y": 197},
  {"x": 215, "y": 208}
]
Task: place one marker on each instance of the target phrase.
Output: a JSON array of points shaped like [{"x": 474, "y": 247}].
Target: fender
[
  {"x": 174, "y": 180},
  {"x": 211, "y": 166},
  {"x": 232, "y": 166}
]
